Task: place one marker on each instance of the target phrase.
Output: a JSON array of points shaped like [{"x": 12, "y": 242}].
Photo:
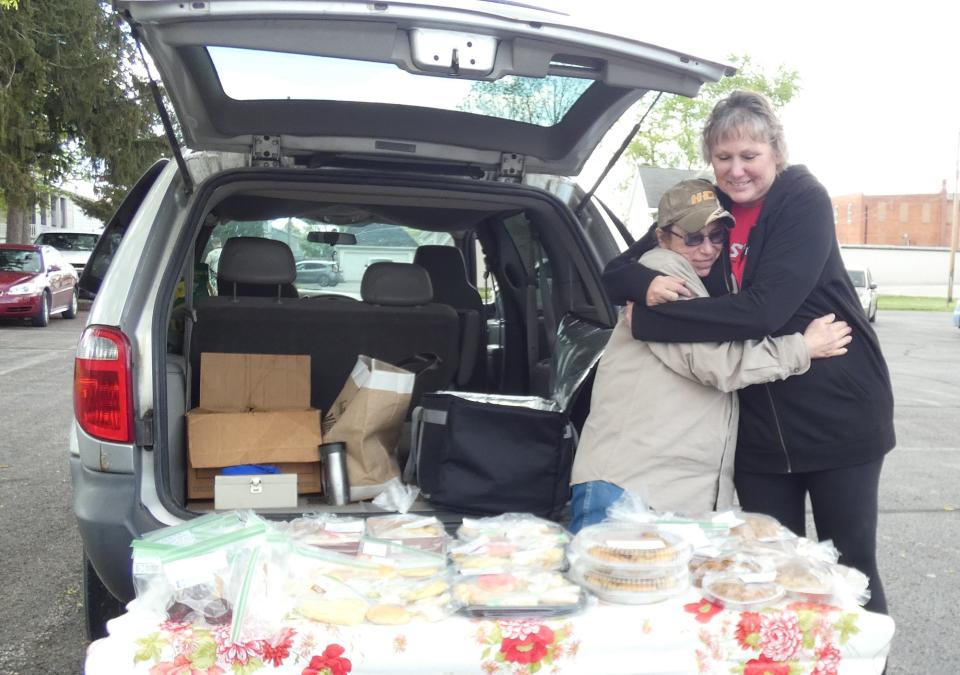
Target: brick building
[{"x": 894, "y": 220}]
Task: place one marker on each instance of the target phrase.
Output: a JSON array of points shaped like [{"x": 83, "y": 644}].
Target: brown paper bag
[{"x": 368, "y": 417}]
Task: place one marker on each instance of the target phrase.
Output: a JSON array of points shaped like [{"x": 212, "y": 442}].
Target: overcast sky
[{"x": 879, "y": 109}]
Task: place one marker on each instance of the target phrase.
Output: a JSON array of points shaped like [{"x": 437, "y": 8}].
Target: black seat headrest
[
  {"x": 254, "y": 260},
  {"x": 443, "y": 262},
  {"x": 448, "y": 274},
  {"x": 396, "y": 284}
]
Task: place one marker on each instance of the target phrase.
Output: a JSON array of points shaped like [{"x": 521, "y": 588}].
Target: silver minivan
[{"x": 441, "y": 136}]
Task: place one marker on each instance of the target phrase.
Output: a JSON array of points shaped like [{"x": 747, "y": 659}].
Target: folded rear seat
[{"x": 396, "y": 321}]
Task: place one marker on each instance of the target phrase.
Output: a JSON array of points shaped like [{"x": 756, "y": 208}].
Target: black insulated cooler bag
[{"x": 488, "y": 454}]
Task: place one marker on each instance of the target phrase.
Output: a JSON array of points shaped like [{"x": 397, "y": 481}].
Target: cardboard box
[
  {"x": 266, "y": 491},
  {"x": 231, "y": 382},
  {"x": 201, "y": 482},
  {"x": 253, "y": 409},
  {"x": 256, "y": 437}
]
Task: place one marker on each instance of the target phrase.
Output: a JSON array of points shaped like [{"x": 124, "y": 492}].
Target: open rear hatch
[{"x": 408, "y": 80}]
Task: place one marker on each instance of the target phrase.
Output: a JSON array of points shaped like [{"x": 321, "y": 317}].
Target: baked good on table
[
  {"x": 759, "y": 527},
  {"x": 340, "y": 611},
  {"x": 806, "y": 578},
  {"x": 625, "y": 550},
  {"x": 735, "y": 592},
  {"x": 424, "y": 532},
  {"x": 630, "y": 546},
  {"x": 733, "y": 562},
  {"x": 521, "y": 589},
  {"x": 514, "y": 527},
  {"x": 388, "y": 615},
  {"x": 404, "y": 526},
  {"x": 499, "y": 555},
  {"x": 631, "y": 585},
  {"x": 338, "y": 533}
]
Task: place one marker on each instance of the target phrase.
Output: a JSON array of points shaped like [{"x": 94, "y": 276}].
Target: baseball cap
[{"x": 691, "y": 205}]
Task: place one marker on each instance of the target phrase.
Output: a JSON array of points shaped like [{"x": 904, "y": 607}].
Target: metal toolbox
[{"x": 260, "y": 491}]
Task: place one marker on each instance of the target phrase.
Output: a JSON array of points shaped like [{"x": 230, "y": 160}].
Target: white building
[{"x": 56, "y": 211}]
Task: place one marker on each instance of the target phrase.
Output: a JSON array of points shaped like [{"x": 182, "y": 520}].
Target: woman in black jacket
[{"x": 824, "y": 433}]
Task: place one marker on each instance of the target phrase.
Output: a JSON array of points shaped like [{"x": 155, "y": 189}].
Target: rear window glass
[
  {"x": 69, "y": 241},
  {"x": 322, "y": 268},
  {"x": 247, "y": 74}
]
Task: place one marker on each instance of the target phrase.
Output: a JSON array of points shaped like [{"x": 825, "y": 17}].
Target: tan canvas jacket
[{"x": 663, "y": 416}]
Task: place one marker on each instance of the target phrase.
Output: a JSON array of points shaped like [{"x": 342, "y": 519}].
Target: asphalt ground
[{"x": 41, "y": 619}]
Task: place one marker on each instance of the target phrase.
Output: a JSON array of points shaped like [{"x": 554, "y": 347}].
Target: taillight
[{"x": 102, "y": 391}]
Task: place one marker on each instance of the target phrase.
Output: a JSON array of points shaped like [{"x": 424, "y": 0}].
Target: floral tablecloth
[{"x": 686, "y": 635}]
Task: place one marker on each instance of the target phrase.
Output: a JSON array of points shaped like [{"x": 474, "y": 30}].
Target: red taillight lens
[{"x": 102, "y": 393}]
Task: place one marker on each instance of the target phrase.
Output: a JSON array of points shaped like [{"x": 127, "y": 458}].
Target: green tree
[
  {"x": 70, "y": 106},
  {"x": 523, "y": 99},
  {"x": 671, "y": 134}
]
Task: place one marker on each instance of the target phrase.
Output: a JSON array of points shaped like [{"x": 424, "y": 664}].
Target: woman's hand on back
[
  {"x": 666, "y": 289},
  {"x": 826, "y": 337}
]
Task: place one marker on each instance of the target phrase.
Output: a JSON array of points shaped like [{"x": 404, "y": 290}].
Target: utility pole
[{"x": 953, "y": 225}]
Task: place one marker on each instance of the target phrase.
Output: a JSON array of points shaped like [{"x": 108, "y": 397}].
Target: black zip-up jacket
[{"x": 839, "y": 413}]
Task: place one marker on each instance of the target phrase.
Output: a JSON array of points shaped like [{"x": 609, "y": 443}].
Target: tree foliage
[
  {"x": 671, "y": 134},
  {"x": 70, "y": 105},
  {"x": 670, "y": 137},
  {"x": 537, "y": 101}
]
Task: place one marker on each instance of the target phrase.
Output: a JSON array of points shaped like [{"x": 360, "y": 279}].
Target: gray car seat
[{"x": 254, "y": 267}]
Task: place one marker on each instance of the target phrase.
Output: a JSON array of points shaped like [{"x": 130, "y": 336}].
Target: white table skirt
[{"x": 685, "y": 635}]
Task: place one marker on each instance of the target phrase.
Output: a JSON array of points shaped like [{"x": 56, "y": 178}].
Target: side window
[
  {"x": 536, "y": 262},
  {"x": 96, "y": 267}
]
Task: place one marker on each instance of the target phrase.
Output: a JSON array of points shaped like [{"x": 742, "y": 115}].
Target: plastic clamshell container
[
  {"x": 631, "y": 589},
  {"x": 342, "y": 534},
  {"x": 490, "y": 556},
  {"x": 760, "y": 527},
  {"x": 625, "y": 546},
  {"x": 742, "y": 591},
  {"x": 520, "y": 594},
  {"x": 528, "y": 612},
  {"x": 424, "y": 532},
  {"x": 516, "y": 527},
  {"x": 803, "y": 579},
  {"x": 407, "y": 561},
  {"x": 730, "y": 563}
]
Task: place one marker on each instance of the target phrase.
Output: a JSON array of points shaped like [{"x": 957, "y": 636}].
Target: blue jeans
[{"x": 589, "y": 502}]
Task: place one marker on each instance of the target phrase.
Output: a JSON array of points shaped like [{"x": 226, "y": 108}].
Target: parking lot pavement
[
  {"x": 41, "y": 622},
  {"x": 919, "y": 527}
]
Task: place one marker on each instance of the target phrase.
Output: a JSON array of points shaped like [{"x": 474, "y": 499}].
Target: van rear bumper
[{"x": 109, "y": 516}]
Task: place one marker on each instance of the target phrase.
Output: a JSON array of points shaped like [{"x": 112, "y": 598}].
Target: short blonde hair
[{"x": 745, "y": 113}]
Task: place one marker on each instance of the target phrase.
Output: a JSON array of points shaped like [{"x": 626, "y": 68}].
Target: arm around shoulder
[{"x": 729, "y": 366}]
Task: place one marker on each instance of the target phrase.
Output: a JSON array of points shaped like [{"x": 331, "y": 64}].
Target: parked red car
[{"x": 35, "y": 282}]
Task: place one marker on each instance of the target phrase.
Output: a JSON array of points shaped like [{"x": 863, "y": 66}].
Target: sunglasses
[{"x": 715, "y": 236}]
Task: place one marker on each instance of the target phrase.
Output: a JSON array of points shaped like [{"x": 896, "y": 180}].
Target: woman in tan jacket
[{"x": 663, "y": 417}]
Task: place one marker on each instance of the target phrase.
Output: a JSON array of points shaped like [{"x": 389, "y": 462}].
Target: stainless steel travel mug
[{"x": 336, "y": 483}]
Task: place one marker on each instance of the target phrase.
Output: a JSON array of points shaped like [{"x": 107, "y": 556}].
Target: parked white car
[
  {"x": 74, "y": 245},
  {"x": 866, "y": 290}
]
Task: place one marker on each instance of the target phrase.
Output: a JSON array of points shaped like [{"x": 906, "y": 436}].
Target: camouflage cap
[{"x": 691, "y": 205}]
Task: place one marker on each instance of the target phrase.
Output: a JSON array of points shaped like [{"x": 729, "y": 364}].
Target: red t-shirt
[{"x": 746, "y": 218}]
